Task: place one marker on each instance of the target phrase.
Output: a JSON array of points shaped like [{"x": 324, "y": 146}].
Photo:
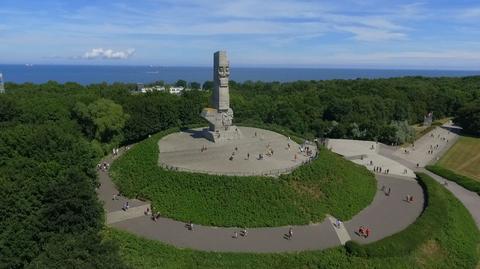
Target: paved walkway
[
  {"x": 182, "y": 151},
  {"x": 385, "y": 216},
  {"x": 366, "y": 153},
  {"x": 445, "y": 137}
]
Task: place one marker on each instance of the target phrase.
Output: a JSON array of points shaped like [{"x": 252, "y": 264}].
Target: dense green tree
[
  {"x": 8, "y": 108},
  {"x": 195, "y": 85},
  {"x": 150, "y": 114},
  {"x": 102, "y": 120},
  {"x": 468, "y": 117},
  {"x": 207, "y": 85},
  {"x": 181, "y": 83}
]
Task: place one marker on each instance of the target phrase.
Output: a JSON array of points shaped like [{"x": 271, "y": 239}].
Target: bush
[{"x": 355, "y": 249}]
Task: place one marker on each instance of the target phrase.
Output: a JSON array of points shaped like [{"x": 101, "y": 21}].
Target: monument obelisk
[
  {"x": 2, "y": 88},
  {"x": 220, "y": 115}
]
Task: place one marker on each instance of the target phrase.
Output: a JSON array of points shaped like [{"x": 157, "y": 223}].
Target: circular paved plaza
[{"x": 183, "y": 151}]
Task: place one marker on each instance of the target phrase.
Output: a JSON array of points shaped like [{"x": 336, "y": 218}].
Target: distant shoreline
[{"x": 88, "y": 74}]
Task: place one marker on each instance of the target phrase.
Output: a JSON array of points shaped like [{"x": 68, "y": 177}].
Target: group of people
[
  {"x": 103, "y": 166},
  {"x": 379, "y": 169},
  {"x": 242, "y": 233},
  {"x": 432, "y": 148},
  {"x": 115, "y": 151},
  {"x": 149, "y": 212},
  {"x": 204, "y": 148},
  {"x": 409, "y": 198},
  {"x": 364, "y": 231},
  {"x": 440, "y": 137}
]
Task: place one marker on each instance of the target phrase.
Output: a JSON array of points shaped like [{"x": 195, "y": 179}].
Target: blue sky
[{"x": 298, "y": 33}]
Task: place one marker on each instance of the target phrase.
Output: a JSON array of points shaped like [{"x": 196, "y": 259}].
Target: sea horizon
[{"x": 93, "y": 73}]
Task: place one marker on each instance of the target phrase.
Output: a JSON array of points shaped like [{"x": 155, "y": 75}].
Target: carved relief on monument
[{"x": 220, "y": 117}]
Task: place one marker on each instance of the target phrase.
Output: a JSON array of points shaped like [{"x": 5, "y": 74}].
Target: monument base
[{"x": 232, "y": 133}]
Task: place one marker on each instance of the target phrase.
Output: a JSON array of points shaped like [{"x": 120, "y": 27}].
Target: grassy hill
[
  {"x": 444, "y": 236},
  {"x": 330, "y": 184}
]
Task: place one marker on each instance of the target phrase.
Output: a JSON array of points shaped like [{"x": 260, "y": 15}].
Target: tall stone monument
[
  {"x": 220, "y": 115},
  {"x": 2, "y": 87}
]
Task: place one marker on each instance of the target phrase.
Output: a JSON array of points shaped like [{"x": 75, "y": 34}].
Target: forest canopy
[{"x": 52, "y": 135}]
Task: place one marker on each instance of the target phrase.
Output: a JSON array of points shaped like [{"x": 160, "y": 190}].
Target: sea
[{"x": 88, "y": 74}]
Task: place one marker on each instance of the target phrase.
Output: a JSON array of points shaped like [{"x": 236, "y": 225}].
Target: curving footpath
[
  {"x": 469, "y": 199},
  {"x": 385, "y": 216}
]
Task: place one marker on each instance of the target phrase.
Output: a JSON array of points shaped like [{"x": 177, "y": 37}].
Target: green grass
[
  {"x": 466, "y": 182},
  {"x": 463, "y": 158},
  {"x": 444, "y": 236},
  {"x": 461, "y": 164},
  {"x": 330, "y": 184}
]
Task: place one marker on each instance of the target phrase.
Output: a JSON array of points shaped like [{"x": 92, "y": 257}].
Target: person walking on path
[
  {"x": 367, "y": 232},
  {"x": 235, "y": 235},
  {"x": 290, "y": 233},
  {"x": 361, "y": 231},
  {"x": 244, "y": 232},
  {"x": 338, "y": 224}
]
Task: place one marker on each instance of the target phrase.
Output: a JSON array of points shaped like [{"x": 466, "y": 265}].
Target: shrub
[{"x": 355, "y": 249}]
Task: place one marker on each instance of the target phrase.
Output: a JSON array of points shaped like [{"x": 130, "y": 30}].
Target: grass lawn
[
  {"x": 330, "y": 184},
  {"x": 463, "y": 158},
  {"x": 444, "y": 236}
]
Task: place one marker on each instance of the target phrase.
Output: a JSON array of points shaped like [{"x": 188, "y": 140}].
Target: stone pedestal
[{"x": 232, "y": 133}]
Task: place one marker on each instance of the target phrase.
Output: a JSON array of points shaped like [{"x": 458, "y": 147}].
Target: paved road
[{"x": 385, "y": 216}]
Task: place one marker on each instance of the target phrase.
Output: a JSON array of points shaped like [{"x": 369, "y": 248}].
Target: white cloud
[
  {"x": 109, "y": 54},
  {"x": 372, "y": 34}
]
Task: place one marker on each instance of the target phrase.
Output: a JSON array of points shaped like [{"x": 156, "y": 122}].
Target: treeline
[
  {"x": 49, "y": 213},
  {"x": 52, "y": 135},
  {"x": 379, "y": 109}
]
